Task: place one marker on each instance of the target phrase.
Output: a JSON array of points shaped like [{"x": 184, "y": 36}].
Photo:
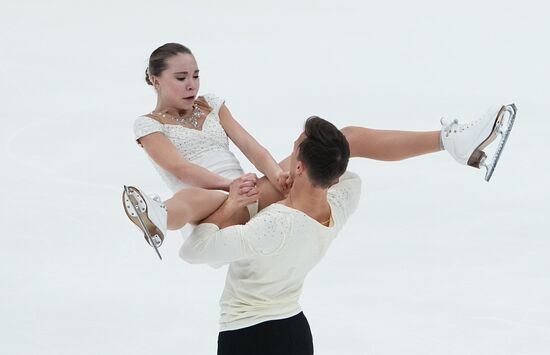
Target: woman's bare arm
[
  {"x": 165, "y": 154},
  {"x": 254, "y": 151}
]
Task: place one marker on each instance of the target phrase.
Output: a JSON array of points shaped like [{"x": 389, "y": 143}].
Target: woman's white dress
[{"x": 208, "y": 147}]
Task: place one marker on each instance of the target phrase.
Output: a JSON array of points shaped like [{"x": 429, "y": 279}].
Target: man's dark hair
[{"x": 324, "y": 151}]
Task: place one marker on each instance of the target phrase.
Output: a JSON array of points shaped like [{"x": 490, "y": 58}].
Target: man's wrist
[
  {"x": 226, "y": 210},
  {"x": 230, "y": 206},
  {"x": 225, "y": 185}
]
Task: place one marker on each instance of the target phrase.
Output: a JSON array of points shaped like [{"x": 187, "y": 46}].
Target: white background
[{"x": 435, "y": 260}]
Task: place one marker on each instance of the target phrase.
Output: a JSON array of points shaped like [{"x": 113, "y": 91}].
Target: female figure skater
[{"x": 186, "y": 136}]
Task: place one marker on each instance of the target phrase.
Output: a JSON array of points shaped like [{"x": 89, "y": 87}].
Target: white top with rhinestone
[
  {"x": 208, "y": 147},
  {"x": 270, "y": 256}
]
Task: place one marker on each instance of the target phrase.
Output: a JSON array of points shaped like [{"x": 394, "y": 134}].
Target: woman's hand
[{"x": 284, "y": 182}]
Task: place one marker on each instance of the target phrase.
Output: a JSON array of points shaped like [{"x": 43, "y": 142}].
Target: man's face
[{"x": 294, "y": 155}]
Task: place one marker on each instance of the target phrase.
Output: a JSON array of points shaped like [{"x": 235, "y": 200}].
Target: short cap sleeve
[
  {"x": 144, "y": 125},
  {"x": 214, "y": 101}
]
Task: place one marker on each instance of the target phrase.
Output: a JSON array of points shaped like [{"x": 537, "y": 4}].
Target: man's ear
[{"x": 300, "y": 168}]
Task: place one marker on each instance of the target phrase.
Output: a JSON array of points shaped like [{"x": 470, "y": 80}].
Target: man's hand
[{"x": 243, "y": 191}]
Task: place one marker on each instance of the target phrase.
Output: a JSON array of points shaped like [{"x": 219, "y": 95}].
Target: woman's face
[{"x": 178, "y": 85}]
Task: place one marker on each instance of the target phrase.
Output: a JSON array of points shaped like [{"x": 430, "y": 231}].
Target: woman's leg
[
  {"x": 268, "y": 194},
  {"x": 191, "y": 205},
  {"x": 195, "y": 204},
  {"x": 367, "y": 143},
  {"x": 390, "y": 145}
]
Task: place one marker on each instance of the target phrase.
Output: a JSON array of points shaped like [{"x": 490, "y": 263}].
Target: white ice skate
[
  {"x": 148, "y": 213},
  {"x": 466, "y": 142}
]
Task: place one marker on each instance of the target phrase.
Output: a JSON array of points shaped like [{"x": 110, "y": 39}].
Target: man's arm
[
  {"x": 228, "y": 214},
  {"x": 211, "y": 243},
  {"x": 242, "y": 192},
  {"x": 262, "y": 235}
]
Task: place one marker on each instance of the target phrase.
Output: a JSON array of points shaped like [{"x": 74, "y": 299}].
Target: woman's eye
[
  {"x": 181, "y": 79},
  {"x": 196, "y": 76}
]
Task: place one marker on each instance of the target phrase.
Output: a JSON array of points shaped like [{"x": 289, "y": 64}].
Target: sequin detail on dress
[{"x": 208, "y": 147}]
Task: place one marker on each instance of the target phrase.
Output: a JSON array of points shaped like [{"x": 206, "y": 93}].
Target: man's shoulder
[
  {"x": 344, "y": 196},
  {"x": 275, "y": 210},
  {"x": 275, "y": 216}
]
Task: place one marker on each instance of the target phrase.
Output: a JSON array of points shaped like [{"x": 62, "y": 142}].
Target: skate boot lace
[
  {"x": 157, "y": 240},
  {"x": 158, "y": 199},
  {"x": 453, "y": 126}
]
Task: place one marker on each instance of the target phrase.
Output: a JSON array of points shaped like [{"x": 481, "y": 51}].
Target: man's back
[{"x": 270, "y": 256}]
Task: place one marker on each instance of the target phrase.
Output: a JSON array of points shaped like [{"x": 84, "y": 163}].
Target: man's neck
[{"x": 309, "y": 199}]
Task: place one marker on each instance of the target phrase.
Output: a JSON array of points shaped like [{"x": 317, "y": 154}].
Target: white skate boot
[
  {"x": 148, "y": 213},
  {"x": 466, "y": 142}
]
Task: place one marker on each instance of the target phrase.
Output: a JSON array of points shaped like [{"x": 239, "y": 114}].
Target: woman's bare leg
[
  {"x": 192, "y": 205},
  {"x": 375, "y": 144},
  {"x": 390, "y": 145},
  {"x": 268, "y": 195}
]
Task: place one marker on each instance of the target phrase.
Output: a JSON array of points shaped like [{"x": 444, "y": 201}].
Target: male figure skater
[{"x": 272, "y": 253}]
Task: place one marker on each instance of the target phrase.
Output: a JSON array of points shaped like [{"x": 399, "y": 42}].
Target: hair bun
[{"x": 147, "y": 80}]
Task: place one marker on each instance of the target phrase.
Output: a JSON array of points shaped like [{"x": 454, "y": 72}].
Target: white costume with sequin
[
  {"x": 208, "y": 147},
  {"x": 270, "y": 256}
]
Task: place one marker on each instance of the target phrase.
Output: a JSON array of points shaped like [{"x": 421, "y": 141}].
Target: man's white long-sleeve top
[{"x": 270, "y": 256}]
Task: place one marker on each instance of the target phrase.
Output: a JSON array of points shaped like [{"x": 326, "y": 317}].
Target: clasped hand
[{"x": 243, "y": 190}]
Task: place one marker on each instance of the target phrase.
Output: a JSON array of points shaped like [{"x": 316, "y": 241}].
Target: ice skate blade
[
  {"x": 504, "y": 128},
  {"x": 478, "y": 155},
  {"x": 136, "y": 210}
]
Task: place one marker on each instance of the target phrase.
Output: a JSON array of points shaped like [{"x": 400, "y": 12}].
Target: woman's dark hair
[
  {"x": 324, "y": 151},
  {"x": 157, "y": 60}
]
